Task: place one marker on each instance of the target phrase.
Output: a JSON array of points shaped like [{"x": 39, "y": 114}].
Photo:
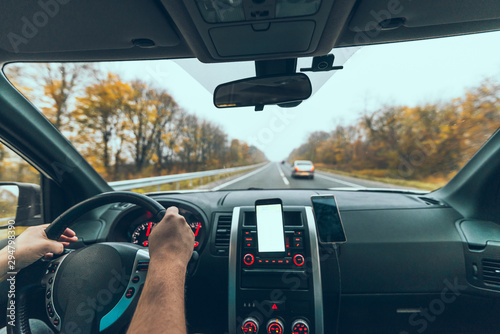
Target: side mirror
[{"x": 20, "y": 202}]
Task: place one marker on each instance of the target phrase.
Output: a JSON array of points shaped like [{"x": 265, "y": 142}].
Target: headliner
[{"x": 71, "y": 30}]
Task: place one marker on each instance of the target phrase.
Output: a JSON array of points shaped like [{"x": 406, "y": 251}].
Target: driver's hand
[
  {"x": 171, "y": 240},
  {"x": 33, "y": 244}
]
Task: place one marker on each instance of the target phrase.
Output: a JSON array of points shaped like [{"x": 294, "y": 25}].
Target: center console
[{"x": 275, "y": 292}]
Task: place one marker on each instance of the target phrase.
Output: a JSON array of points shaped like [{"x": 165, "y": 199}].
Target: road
[{"x": 278, "y": 176}]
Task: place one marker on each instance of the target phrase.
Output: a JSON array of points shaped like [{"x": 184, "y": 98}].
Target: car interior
[{"x": 410, "y": 262}]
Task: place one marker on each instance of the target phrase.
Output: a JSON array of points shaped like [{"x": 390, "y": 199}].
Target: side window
[{"x": 20, "y": 201}]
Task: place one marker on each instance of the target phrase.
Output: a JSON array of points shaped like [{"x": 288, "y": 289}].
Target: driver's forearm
[{"x": 161, "y": 305}]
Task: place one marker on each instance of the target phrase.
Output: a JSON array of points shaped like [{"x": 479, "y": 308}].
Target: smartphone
[
  {"x": 270, "y": 227},
  {"x": 328, "y": 222}
]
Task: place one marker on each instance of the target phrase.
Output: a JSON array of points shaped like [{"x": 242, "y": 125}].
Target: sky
[{"x": 409, "y": 73}]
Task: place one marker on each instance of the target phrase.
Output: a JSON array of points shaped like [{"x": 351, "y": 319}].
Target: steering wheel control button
[
  {"x": 300, "y": 326},
  {"x": 275, "y": 326},
  {"x": 51, "y": 280},
  {"x": 143, "y": 266},
  {"x": 250, "y": 325},
  {"x": 48, "y": 293},
  {"x": 130, "y": 293},
  {"x": 136, "y": 279},
  {"x": 298, "y": 259},
  {"x": 50, "y": 310},
  {"x": 56, "y": 322},
  {"x": 248, "y": 259},
  {"x": 53, "y": 267}
]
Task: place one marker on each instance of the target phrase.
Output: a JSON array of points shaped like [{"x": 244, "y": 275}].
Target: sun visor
[
  {"x": 65, "y": 25},
  {"x": 383, "y": 14}
]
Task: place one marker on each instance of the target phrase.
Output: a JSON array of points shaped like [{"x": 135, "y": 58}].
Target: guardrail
[{"x": 159, "y": 180}]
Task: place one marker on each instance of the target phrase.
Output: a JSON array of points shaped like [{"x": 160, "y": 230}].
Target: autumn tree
[
  {"x": 148, "y": 113},
  {"x": 234, "y": 153},
  {"x": 168, "y": 145},
  {"x": 190, "y": 142},
  {"x": 479, "y": 116},
  {"x": 17, "y": 75},
  {"x": 61, "y": 83},
  {"x": 212, "y": 145},
  {"x": 419, "y": 142},
  {"x": 127, "y": 129},
  {"x": 101, "y": 117}
]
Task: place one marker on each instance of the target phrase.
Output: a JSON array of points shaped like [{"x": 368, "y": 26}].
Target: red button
[
  {"x": 130, "y": 293},
  {"x": 248, "y": 259},
  {"x": 298, "y": 259}
]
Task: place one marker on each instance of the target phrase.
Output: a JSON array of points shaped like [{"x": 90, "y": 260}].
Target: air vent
[
  {"x": 491, "y": 272},
  {"x": 222, "y": 234},
  {"x": 430, "y": 201}
]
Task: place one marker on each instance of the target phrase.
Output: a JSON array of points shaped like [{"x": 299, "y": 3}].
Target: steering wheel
[{"x": 92, "y": 289}]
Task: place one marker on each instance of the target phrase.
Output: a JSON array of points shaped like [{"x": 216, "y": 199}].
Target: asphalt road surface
[{"x": 279, "y": 176}]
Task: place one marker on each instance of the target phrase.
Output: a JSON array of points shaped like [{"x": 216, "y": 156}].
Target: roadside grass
[
  {"x": 365, "y": 175},
  {"x": 188, "y": 184}
]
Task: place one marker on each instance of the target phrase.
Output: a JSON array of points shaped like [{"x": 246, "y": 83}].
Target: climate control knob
[
  {"x": 248, "y": 259},
  {"x": 250, "y": 325},
  {"x": 298, "y": 259},
  {"x": 300, "y": 326},
  {"x": 275, "y": 326}
]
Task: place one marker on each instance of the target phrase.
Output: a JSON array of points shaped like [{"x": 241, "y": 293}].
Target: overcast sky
[{"x": 402, "y": 73}]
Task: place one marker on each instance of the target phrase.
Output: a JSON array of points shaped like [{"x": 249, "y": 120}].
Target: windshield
[{"x": 403, "y": 115}]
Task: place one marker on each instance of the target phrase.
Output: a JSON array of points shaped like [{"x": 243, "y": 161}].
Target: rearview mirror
[{"x": 261, "y": 91}]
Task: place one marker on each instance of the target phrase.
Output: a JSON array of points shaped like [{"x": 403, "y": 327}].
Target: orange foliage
[{"x": 430, "y": 142}]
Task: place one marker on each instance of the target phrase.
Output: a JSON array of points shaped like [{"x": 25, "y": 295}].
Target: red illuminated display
[
  {"x": 300, "y": 326},
  {"x": 141, "y": 233},
  {"x": 275, "y": 329},
  {"x": 249, "y": 327},
  {"x": 300, "y": 329}
]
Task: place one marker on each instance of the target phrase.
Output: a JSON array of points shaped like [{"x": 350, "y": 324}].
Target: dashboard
[{"x": 403, "y": 253}]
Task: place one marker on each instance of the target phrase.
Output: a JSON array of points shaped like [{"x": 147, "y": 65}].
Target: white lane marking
[
  {"x": 339, "y": 181},
  {"x": 240, "y": 178},
  {"x": 285, "y": 180}
]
